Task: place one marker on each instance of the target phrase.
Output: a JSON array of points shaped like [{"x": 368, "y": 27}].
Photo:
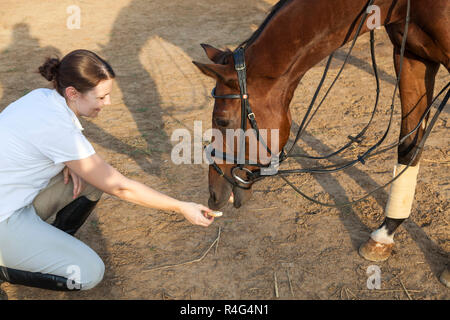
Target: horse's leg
[{"x": 416, "y": 92}]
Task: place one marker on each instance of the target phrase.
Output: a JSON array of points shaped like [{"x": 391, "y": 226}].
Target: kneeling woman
[{"x": 48, "y": 167}]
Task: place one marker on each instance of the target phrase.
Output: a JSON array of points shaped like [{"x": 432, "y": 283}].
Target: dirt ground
[{"x": 312, "y": 250}]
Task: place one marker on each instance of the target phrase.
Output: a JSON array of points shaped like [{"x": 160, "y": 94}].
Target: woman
[{"x": 48, "y": 167}]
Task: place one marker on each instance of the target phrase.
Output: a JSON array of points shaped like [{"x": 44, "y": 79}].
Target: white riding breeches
[{"x": 28, "y": 243}]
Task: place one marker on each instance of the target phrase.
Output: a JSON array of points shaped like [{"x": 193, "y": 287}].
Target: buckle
[
  {"x": 251, "y": 116},
  {"x": 239, "y": 59},
  {"x": 239, "y": 179}
]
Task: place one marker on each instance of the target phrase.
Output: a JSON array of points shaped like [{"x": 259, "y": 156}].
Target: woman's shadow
[{"x": 16, "y": 76}]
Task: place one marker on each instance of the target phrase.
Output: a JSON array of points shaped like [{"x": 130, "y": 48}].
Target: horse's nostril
[
  {"x": 222, "y": 122},
  {"x": 213, "y": 196}
]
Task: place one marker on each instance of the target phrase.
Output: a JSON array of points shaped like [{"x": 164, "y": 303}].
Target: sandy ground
[{"x": 311, "y": 249}]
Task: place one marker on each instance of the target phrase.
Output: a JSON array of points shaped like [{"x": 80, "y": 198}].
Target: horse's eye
[{"x": 221, "y": 122}]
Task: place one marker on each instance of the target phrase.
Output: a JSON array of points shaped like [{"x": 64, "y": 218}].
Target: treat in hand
[{"x": 215, "y": 214}]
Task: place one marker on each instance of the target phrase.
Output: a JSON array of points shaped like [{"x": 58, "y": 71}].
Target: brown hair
[{"x": 81, "y": 69}]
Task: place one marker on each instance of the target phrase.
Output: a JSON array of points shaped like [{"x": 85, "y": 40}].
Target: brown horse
[{"x": 297, "y": 35}]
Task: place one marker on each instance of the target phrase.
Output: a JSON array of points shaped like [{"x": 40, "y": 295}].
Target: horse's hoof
[
  {"x": 445, "y": 277},
  {"x": 375, "y": 251}
]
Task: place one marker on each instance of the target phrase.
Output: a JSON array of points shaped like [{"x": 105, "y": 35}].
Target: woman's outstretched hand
[
  {"x": 111, "y": 181},
  {"x": 196, "y": 213}
]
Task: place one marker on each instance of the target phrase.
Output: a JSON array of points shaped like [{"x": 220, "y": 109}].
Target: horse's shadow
[
  {"x": 141, "y": 21},
  {"x": 434, "y": 255},
  {"x": 366, "y": 67},
  {"x": 432, "y": 252}
]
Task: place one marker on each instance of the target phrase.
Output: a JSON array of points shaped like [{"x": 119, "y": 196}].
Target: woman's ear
[{"x": 71, "y": 93}]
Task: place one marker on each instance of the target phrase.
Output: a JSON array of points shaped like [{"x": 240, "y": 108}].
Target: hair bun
[{"x": 49, "y": 69}]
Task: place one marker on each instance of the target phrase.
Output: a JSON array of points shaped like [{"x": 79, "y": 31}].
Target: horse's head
[{"x": 267, "y": 101}]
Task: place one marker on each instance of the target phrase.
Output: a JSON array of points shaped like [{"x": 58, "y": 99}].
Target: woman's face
[{"x": 90, "y": 103}]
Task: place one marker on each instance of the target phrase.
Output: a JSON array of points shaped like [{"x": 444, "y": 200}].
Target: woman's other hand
[{"x": 78, "y": 183}]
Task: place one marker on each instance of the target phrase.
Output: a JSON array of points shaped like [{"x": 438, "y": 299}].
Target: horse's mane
[{"x": 260, "y": 29}]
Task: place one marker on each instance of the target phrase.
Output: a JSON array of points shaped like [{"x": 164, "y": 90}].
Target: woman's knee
[
  {"x": 84, "y": 268},
  {"x": 90, "y": 274}
]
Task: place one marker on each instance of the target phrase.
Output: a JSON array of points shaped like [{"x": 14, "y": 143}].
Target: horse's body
[{"x": 297, "y": 35}]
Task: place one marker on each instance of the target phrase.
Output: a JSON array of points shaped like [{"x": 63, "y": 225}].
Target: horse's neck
[{"x": 304, "y": 32}]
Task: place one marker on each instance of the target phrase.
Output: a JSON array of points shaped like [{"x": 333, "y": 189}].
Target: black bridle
[{"x": 247, "y": 113}]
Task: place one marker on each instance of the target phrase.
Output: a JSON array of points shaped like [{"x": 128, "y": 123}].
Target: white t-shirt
[{"x": 38, "y": 133}]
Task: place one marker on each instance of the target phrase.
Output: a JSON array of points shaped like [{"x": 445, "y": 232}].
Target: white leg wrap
[{"x": 402, "y": 192}]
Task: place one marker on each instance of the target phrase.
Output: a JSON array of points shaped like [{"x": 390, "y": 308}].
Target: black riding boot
[
  {"x": 38, "y": 280},
  {"x": 70, "y": 218}
]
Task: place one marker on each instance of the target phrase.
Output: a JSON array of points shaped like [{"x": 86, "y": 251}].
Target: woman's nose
[{"x": 107, "y": 101}]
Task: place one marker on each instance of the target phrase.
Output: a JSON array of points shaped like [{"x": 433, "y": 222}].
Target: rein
[{"x": 246, "y": 113}]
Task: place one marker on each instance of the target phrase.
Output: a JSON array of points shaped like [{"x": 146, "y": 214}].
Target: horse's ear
[
  {"x": 215, "y": 55},
  {"x": 216, "y": 71}
]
